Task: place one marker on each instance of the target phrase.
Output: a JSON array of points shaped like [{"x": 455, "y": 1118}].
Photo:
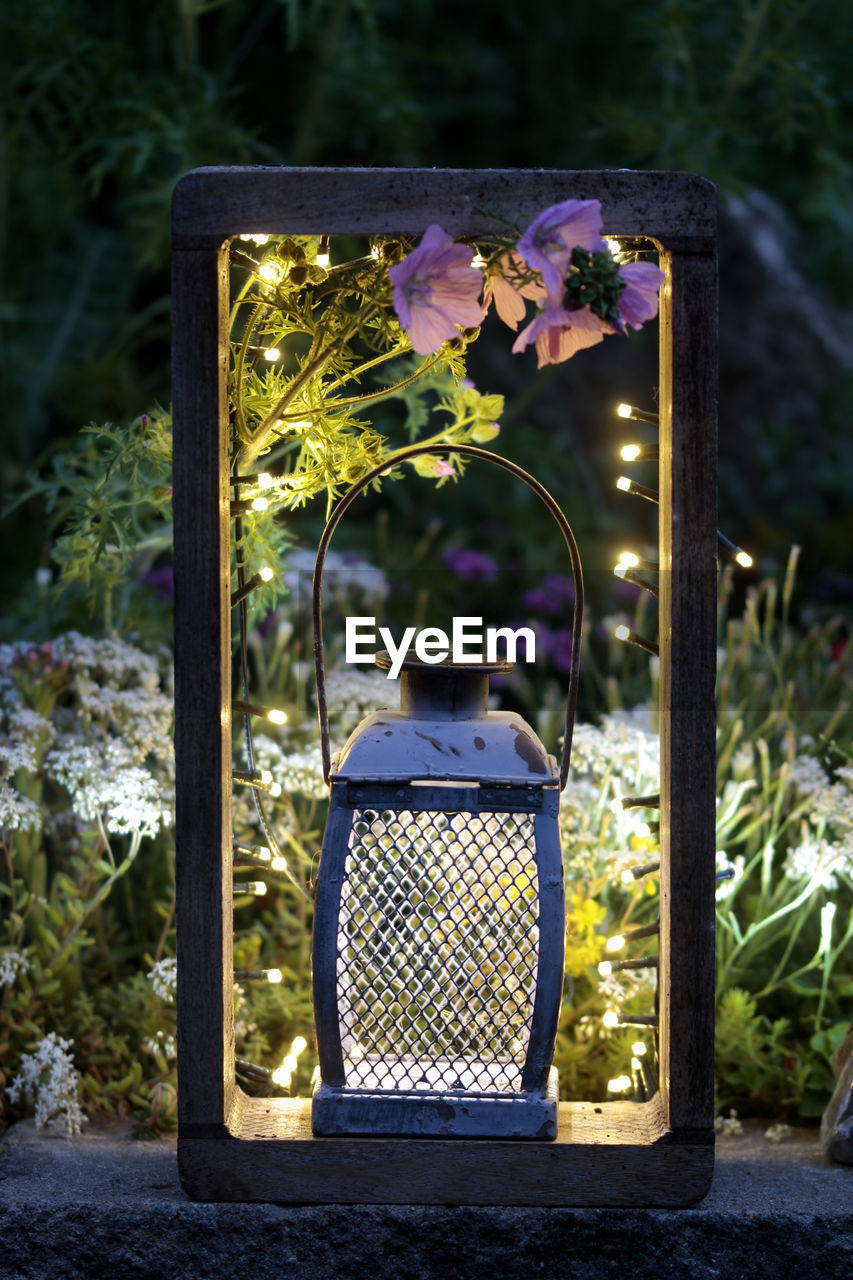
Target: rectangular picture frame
[{"x": 233, "y": 1147}]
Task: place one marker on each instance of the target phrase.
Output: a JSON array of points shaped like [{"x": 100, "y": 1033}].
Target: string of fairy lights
[
  {"x": 252, "y": 493},
  {"x": 639, "y": 1082}
]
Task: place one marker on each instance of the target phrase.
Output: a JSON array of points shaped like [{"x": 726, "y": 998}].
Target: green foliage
[{"x": 108, "y": 501}]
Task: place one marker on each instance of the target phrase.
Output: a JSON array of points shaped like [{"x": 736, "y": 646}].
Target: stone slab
[{"x": 105, "y": 1205}]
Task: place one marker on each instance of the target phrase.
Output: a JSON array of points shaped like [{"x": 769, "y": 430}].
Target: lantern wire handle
[{"x": 468, "y": 451}]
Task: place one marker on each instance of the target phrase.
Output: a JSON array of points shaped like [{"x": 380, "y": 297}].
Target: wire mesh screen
[{"x": 438, "y": 949}]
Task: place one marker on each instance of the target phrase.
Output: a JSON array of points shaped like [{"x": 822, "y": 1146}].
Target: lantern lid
[{"x": 445, "y": 731}]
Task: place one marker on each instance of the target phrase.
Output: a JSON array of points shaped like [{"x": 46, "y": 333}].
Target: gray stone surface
[{"x": 107, "y": 1206}]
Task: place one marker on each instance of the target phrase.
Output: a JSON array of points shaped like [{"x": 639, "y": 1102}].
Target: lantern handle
[{"x": 468, "y": 451}]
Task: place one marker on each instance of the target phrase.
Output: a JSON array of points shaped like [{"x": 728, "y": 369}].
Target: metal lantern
[{"x": 439, "y": 917}]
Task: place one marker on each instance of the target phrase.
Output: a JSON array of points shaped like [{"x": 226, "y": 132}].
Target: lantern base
[{"x": 421, "y": 1113}]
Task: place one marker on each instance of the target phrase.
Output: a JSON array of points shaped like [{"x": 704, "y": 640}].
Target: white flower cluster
[
  {"x": 164, "y": 978},
  {"x": 296, "y": 768},
  {"x": 345, "y": 577},
  {"x": 619, "y": 759},
  {"x": 103, "y": 780},
  {"x": 17, "y": 812},
  {"x": 353, "y": 694},
  {"x": 827, "y": 849},
  {"x": 108, "y": 741},
  {"x": 12, "y": 963},
  {"x": 50, "y": 1078}
]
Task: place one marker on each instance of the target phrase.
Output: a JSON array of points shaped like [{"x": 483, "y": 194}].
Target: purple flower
[
  {"x": 470, "y": 565},
  {"x": 436, "y": 290},
  {"x": 559, "y": 333},
  {"x": 553, "y": 596},
  {"x": 508, "y": 295},
  {"x": 161, "y": 582},
  {"x": 639, "y": 301},
  {"x": 547, "y": 244}
]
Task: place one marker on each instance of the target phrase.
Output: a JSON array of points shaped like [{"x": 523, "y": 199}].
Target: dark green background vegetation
[{"x": 105, "y": 106}]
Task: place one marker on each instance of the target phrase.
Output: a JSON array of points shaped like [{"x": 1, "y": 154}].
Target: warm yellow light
[
  {"x": 266, "y": 574},
  {"x": 627, "y": 877},
  {"x": 611, "y": 1018},
  {"x": 623, "y": 483},
  {"x": 275, "y": 789},
  {"x": 274, "y": 975},
  {"x": 620, "y": 570},
  {"x": 624, "y": 410},
  {"x": 744, "y": 559},
  {"x": 266, "y": 776},
  {"x": 630, "y": 452},
  {"x": 605, "y": 968},
  {"x": 277, "y": 716},
  {"x": 638, "y": 1048},
  {"x": 629, "y": 559},
  {"x": 270, "y": 272},
  {"x": 613, "y": 245},
  {"x": 272, "y": 353},
  {"x": 279, "y": 864},
  {"x": 622, "y": 632},
  {"x": 260, "y": 504},
  {"x": 323, "y": 260},
  {"x": 281, "y": 1077},
  {"x": 265, "y": 480},
  {"x": 616, "y": 943},
  {"x": 636, "y": 1065},
  {"x": 643, "y": 830},
  {"x": 478, "y": 261},
  {"x": 621, "y": 1084},
  {"x": 300, "y": 1044}
]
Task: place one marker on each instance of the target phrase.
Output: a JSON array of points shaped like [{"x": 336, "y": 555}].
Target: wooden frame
[{"x": 232, "y": 1147}]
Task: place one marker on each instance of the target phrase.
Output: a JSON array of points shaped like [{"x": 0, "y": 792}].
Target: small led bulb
[
  {"x": 624, "y": 410},
  {"x": 636, "y": 1065},
  {"x": 744, "y": 559},
  {"x": 627, "y": 877},
  {"x": 266, "y": 777},
  {"x": 613, "y": 245},
  {"x": 621, "y": 1084},
  {"x": 323, "y": 260},
  {"x": 281, "y": 1077},
  {"x": 272, "y": 353},
  {"x": 300, "y": 1044},
  {"x": 605, "y": 968},
  {"x": 638, "y": 1048},
  {"x": 611, "y": 1018},
  {"x": 620, "y": 570},
  {"x": 266, "y": 574},
  {"x": 277, "y": 716},
  {"x": 279, "y": 864},
  {"x": 270, "y": 272},
  {"x": 622, "y": 632},
  {"x": 643, "y": 830},
  {"x": 260, "y": 504},
  {"x": 274, "y": 975},
  {"x": 616, "y": 943},
  {"x": 265, "y": 480},
  {"x": 629, "y": 559},
  {"x": 623, "y": 483},
  {"x": 275, "y": 789},
  {"x": 630, "y": 452}
]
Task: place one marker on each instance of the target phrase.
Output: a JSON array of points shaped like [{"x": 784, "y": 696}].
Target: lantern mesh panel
[{"x": 438, "y": 950}]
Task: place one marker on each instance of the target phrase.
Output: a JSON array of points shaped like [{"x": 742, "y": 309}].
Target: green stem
[{"x": 59, "y": 955}]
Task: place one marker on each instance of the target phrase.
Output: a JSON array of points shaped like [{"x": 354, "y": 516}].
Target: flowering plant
[{"x": 311, "y": 338}]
